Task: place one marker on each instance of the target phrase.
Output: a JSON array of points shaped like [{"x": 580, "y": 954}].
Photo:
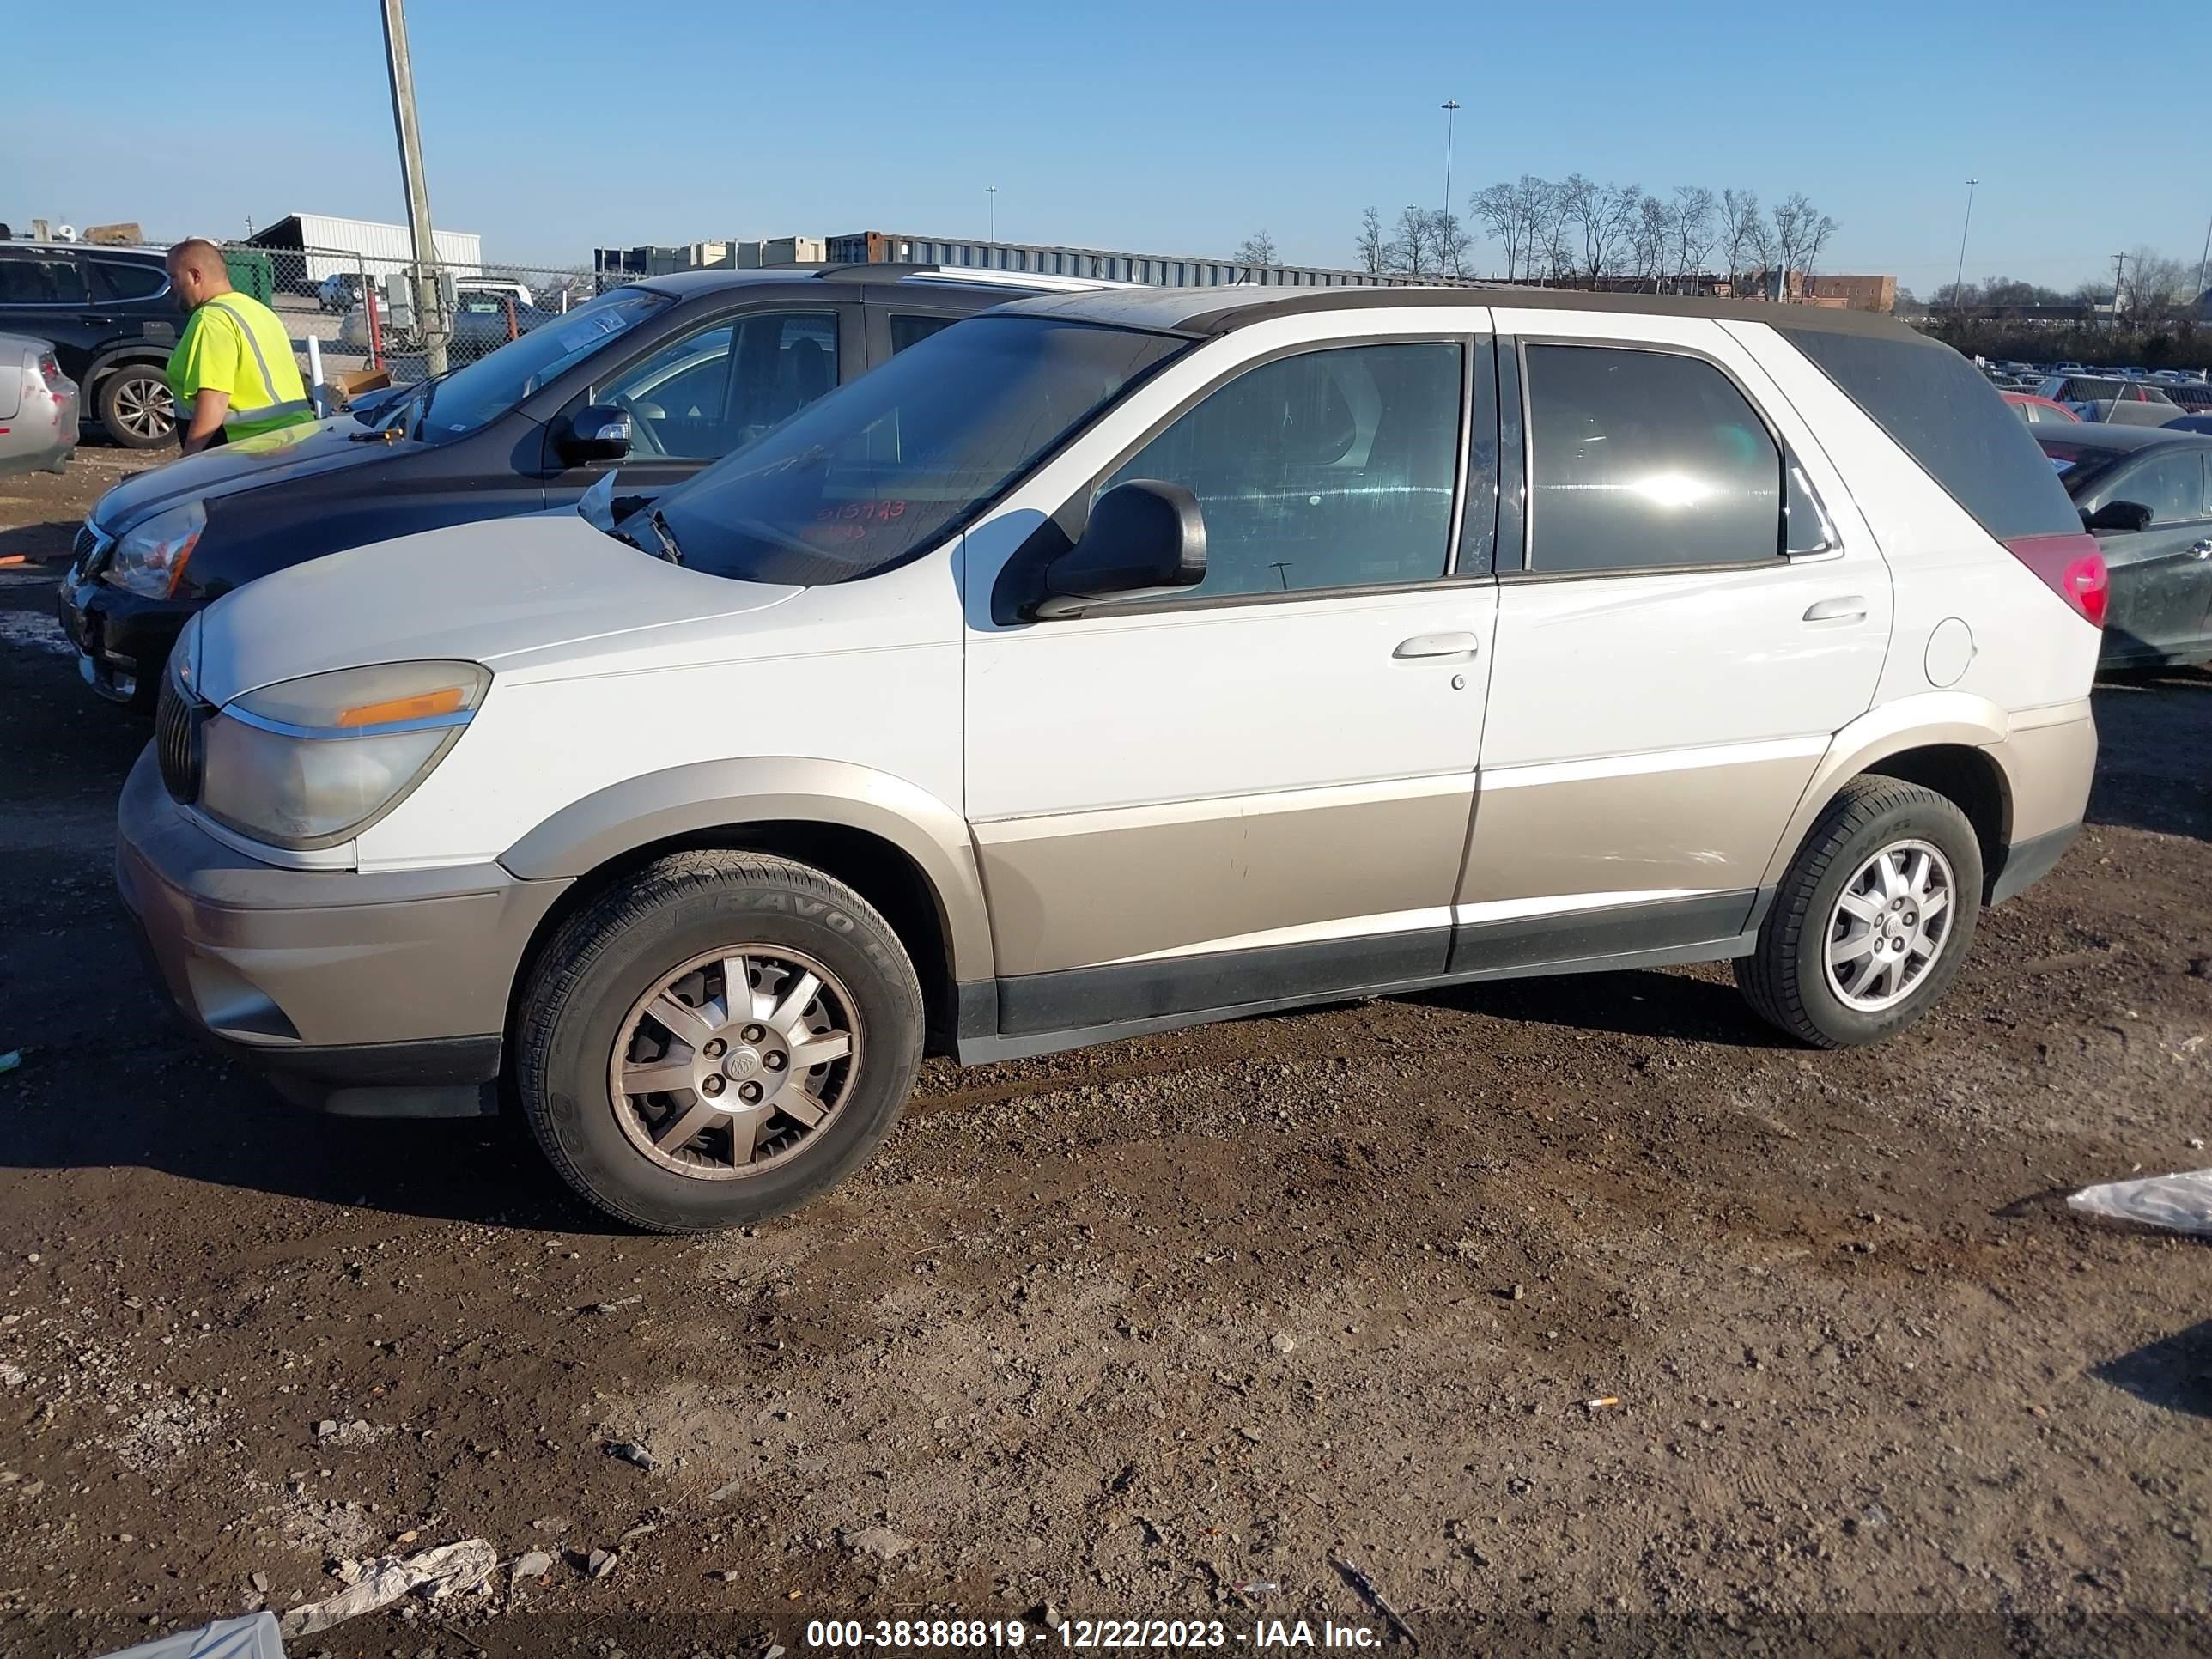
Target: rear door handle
[
  {"x": 1852, "y": 607},
  {"x": 1437, "y": 645}
]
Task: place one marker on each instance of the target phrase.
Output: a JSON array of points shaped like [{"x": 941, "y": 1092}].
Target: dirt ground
[{"x": 1575, "y": 1315}]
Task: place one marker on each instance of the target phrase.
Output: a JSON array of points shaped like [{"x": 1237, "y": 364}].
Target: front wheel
[
  {"x": 719, "y": 1039},
  {"x": 1874, "y": 917}
]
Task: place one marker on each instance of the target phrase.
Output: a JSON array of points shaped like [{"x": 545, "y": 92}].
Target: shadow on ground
[{"x": 2174, "y": 1373}]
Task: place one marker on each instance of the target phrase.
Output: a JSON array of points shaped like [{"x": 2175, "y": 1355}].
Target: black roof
[
  {"x": 2117, "y": 440},
  {"x": 1201, "y": 312}
]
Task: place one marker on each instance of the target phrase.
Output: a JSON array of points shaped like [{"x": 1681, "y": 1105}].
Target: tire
[
  {"x": 595, "y": 983},
  {"x": 1788, "y": 978},
  {"x": 127, "y": 402}
]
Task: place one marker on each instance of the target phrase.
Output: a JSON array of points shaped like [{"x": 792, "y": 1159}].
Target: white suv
[{"x": 1112, "y": 662}]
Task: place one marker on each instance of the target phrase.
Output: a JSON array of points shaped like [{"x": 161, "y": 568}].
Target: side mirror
[
  {"x": 597, "y": 432},
  {"x": 1143, "y": 537},
  {"x": 2128, "y": 517}
]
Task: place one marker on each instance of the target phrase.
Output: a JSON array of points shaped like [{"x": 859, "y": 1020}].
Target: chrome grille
[
  {"x": 86, "y": 544},
  {"x": 176, "y": 742}
]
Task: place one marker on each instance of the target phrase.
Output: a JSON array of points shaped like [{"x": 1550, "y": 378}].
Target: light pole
[
  {"x": 2204, "y": 258},
  {"x": 2120, "y": 274},
  {"x": 1450, "y": 108},
  {"x": 1958, "y": 277},
  {"x": 991, "y": 204}
]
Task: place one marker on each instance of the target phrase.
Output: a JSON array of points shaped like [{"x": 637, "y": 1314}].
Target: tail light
[
  {"x": 49, "y": 371},
  {"x": 2070, "y": 565}
]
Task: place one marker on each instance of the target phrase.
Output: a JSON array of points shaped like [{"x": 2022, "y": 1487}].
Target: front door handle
[
  {"x": 1437, "y": 645},
  {"x": 1851, "y": 607}
]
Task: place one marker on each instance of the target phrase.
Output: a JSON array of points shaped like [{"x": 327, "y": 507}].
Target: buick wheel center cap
[{"x": 741, "y": 1063}]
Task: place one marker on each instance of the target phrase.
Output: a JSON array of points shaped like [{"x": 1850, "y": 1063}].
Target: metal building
[
  {"x": 331, "y": 245},
  {"x": 1161, "y": 270}
]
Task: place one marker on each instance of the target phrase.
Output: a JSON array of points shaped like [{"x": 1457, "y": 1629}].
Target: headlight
[
  {"x": 309, "y": 763},
  {"x": 150, "y": 558}
]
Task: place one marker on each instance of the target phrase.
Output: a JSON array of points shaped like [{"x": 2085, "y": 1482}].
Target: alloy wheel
[
  {"x": 1889, "y": 925},
  {"x": 144, "y": 407},
  {"x": 732, "y": 1063}
]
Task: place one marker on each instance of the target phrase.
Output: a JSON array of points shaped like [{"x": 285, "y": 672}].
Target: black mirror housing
[
  {"x": 1145, "y": 536},
  {"x": 2128, "y": 517},
  {"x": 597, "y": 432}
]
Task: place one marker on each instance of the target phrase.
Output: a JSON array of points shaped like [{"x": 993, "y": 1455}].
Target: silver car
[{"x": 38, "y": 408}]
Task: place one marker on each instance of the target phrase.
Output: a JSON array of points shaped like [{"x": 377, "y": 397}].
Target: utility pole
[
  {"x": 1958, "y": 277},
  {"x": 2119, "y": 271},
  {"x": 1450, "y": 108},
  {"x": 991, "y": 204},
  {"x": 429, "y": 297},
  {"x": 2204, "y": 258}
]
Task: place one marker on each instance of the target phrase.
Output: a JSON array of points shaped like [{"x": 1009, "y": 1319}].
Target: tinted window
[
  {"x": 120, "y": 281},
  {"x": 884, "y": 467},
  {"x": 1941, "y": 412},
  {"x": 1642, "y": 459},
  {"x": 2171, "y": 486},
  {"x": 913, "y": 330},
  {"x": 701, "y": 396},
  {"x": 1331, "y": 469},
  {"x": 35, "y": 282}
]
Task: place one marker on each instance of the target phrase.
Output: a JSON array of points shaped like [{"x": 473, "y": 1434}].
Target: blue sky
[{"x": 552, "y": 127}]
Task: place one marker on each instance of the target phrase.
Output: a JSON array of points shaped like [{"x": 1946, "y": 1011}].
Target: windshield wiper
[{"x": 668, "y": 550}]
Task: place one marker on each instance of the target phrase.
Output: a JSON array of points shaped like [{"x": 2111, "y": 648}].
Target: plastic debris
[
  {"x": 2179, "y": 1203},
  {"x": 630, "y": 1452},
  {"x": 1256, "y": 1589},
  {"x": 11, "y": 1059},
  {"x": 436, "y": 1573},
  {"x": 254, "y": 1637}
]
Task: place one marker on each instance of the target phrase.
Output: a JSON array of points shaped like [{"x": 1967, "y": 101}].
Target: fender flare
[
  {"x": 706, "y": 795},
  {"x": 122, "y": 355},
  {"x": 1958, "y": 718}
]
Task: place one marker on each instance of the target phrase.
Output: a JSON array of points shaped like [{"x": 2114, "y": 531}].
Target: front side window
[
  {"x": 1644, "y": 460},
  {"x": 2171, "y": 486},
  {"x": 884, "y": 468},
  {"x": 471, "y": 398},
  {"x": 1329, "y": 468},
  {"x": 711, "y": 392},
  {"x": 40, "y": 281}
]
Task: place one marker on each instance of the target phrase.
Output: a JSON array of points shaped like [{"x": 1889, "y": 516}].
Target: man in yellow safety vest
[{"x": 232, "y": 373}]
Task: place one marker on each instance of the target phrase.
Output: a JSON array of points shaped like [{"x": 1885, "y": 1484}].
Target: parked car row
[
  {"x": 1107, "y": 661},
  {"x": 110, "y": 317}
]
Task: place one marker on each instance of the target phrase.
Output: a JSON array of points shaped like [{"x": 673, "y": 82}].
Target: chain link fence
[{"x": 354, "y": 305}]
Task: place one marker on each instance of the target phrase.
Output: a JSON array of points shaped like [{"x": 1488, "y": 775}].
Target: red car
[{"x": 2038, "y": 411}]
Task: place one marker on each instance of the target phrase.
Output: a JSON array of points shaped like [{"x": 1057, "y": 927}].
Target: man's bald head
[{"x": 196, "y": 270}]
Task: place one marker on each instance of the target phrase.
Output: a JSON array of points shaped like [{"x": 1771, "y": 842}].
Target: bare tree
[
  {"x": 1449, "y": 237},
  {"x": 1651, "y": 234},
  {"x": 1817, "y": 232},
  {"x": 1601, "y": 216},
  {"x": 2155, "y": 286},
  {"x": 1695, "y": 231},
  {"x": 1257, "y": 249},
  {"x": 1374, "y": 246},
  {"x": 1794, "y": 219},
  {"x": 1517, "y": 216},
  {"x": 1412, "y": 249},
  {"x": 1742, "y": 230}
]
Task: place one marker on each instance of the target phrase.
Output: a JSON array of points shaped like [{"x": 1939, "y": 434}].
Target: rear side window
[
  {"x": 2171, "y": 486},
  {"x": 912, "y": 328},
  {"x": 1643, "y": 460},
  {"x": 35, "y": 282},
  {"x": 1938, "y": 408},
  {"x": 120, "y": 281}
]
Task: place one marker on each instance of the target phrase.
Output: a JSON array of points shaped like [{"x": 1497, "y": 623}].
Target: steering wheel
[{"x": 643, "y": 440}]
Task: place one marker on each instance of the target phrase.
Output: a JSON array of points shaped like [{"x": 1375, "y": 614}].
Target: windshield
[
  {"x": 471, "y": 398},
  {"x": 884, "y": 468}
]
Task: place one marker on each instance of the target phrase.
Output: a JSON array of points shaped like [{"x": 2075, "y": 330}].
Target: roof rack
[{"x": 868, "y": 273}]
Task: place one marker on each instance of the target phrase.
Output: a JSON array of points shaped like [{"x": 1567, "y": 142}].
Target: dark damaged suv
[{"x": 657, "y": 379}]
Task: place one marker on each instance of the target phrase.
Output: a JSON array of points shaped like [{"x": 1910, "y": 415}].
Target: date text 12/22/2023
[{"x": 1100, "y": 1635}]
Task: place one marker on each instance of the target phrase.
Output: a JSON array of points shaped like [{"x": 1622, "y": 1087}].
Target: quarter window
[
  {"x": 1645, "y": 461},
  {"x": 121, "y": 281},
  {"x": 1330, "y": 469},
  {"x": 912, "y": 329}
]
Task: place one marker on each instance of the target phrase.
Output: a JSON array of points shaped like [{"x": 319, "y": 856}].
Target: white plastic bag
[{"x": 2179, "y": 1203}]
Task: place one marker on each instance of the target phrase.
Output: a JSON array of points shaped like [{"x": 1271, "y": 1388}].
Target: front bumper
[
  {"x": 381, "y": 994},
  {"x": 123, "y": 640}
]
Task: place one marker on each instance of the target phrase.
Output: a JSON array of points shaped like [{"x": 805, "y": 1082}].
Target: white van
[{"x": 1115, "y": 661}]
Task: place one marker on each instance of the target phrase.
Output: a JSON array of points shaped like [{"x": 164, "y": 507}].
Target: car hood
[
  {"x": 535, "y": 590},
  {"x": 292, "y": 452}
]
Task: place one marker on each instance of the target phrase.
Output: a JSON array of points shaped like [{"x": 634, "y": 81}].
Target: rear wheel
[
  {"x": 1874, "y": 917},
  {"x": 133, "y": 403},
  {"x": 719, "y": 1039}
]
